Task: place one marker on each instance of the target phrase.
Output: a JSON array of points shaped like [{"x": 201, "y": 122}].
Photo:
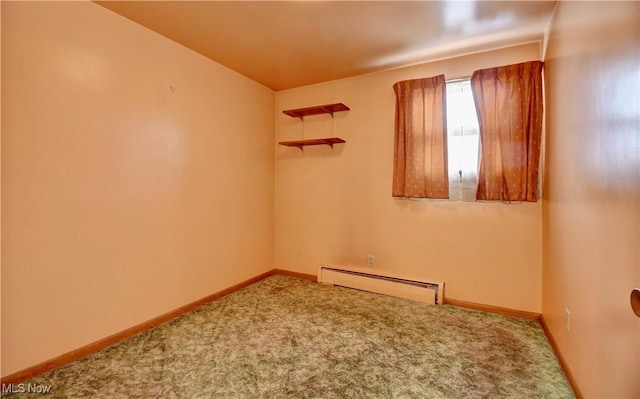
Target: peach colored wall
[
  {"x": 591, "y": 209},
  {"x": 335, "y": 206},
  {"x": 121, "y": 199},
  {"x": 0, "y": 190}
]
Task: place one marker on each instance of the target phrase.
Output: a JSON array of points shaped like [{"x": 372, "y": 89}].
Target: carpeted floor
[{"x": 290, "y": 338}]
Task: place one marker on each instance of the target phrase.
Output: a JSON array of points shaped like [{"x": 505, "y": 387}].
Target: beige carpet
[{"x": 290, "y": 338}]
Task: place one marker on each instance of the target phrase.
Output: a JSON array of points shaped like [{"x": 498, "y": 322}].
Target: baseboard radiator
[{"x": 382, "y": 283}]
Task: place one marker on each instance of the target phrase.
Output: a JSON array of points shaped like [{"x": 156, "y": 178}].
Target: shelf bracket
[
  {"x": 328, "y": 111},
  {"x": 301, "y": 146},
  {"x": 298, "y": 116}
]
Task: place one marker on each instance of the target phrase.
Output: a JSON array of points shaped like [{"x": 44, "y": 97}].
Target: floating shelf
[
  {"x": 330, "y": 141},
  {"x": 317, "y": 110}
]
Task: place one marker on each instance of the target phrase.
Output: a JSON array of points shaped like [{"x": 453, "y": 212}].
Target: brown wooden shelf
[
  {"x": 317, "y": 110},
  {"x": 330, "y": 141}
]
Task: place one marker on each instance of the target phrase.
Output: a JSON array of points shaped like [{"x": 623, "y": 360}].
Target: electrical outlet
[
  {"x": 371, "y": 260},
  {"x": 567, "y": 319}
]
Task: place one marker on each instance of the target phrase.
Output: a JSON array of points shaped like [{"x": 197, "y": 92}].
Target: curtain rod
[{"x": 458, "y": 79}]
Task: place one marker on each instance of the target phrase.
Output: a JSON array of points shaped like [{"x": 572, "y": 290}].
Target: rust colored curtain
[
  {"x": 509, "y": 105},
  {"x": 420, "y": 157}
]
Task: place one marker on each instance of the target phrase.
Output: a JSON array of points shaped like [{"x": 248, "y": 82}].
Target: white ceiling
[{"x": 285, "y": 44}]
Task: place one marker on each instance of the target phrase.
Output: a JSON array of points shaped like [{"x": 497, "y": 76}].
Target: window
[
  {"x": 462, "y": 141},
  {"x": 438, "y": 158}
]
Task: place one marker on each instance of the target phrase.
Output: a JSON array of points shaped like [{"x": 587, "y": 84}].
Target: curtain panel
[
  {"x": 509, "y": 106},
  {"x": 420, "y": 147}
]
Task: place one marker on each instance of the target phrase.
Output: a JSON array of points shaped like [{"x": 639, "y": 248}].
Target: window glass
[{"x": 462, "y": 141}]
